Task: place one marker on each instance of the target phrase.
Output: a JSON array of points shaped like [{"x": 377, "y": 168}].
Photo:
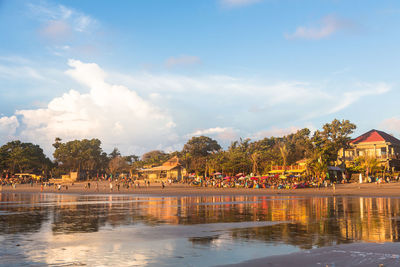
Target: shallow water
[{"x": 103, "y": 230}]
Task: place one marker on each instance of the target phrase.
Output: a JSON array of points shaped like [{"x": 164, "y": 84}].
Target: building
[
  {"x": 171, "y": 169},
  {"x": 377, "y": 144},
  {"x": 298, "y": 168}
]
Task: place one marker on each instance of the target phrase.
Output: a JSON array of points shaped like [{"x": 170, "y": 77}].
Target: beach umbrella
[
  {"x": 217, "y": 173},
  {"x": 254, "y": 178},
  {"x": 239, "y": 174},
  {"x": 227, "y": 177}
]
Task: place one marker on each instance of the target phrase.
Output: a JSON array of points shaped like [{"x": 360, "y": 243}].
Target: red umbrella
[
  {"x": 227, "y": 177},
  {"x": 254, "y": 178}
]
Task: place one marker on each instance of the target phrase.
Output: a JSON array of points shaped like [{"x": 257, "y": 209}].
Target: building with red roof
[{"x": 375, "y": 143}]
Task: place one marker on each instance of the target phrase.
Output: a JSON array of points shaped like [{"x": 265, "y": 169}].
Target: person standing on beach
[
  {"x": 162, "y": 185},
  {"x": 111, "y": 187}
]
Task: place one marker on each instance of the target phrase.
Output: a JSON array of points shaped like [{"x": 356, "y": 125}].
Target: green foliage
[
  {"x": 202, "y": 154},
  {"x": 196, "y": 151},
  {"x": 155, "y": 157},
  {"x": 16, "y": 156},
  {"x": 80, "y": 155},
  {"x": 367, "y": 164}
]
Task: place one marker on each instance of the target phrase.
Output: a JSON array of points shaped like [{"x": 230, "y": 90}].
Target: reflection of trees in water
[
  {"x": 20, "y": 218},
  {"x": 305, "y": 222},
  {"x": 327, "y": 221},
  {"x": 297, "y": 234}
]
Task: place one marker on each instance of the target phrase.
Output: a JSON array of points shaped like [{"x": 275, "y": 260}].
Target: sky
[{"x": 145, "y": 75}]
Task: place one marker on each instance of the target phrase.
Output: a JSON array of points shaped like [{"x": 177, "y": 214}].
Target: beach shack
[{"x": 171, "y": 169}]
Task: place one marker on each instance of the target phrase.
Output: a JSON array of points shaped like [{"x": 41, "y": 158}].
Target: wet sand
[
  {"x": 370, "y": 190},
  {"x": 356, "y": 254}
]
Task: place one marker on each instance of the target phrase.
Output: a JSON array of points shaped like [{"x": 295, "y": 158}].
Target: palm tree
[
  {"x": 284, "y": 154},
  {"x": 254, "y": 158},
  {"x": 320, "y": 168},
  {"x": 369, "y": 164}
]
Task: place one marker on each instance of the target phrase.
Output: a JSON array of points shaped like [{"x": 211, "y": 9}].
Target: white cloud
[
  {"x": 69, "y": 17},
  {"x": 221, "y": 133},
  {"x": 274, "y": 131},
  {"x": 61, "y": 24},
  {"x": 367, "y": 89},
  {"x": 8, "y": 128},
  {"x": 183, "y": 60},
  {"x": 143, "y": 117},
  {"x": 391, "y": 125},
  {"x": 238, "y": 3},
  {"x": 113, "y": 113},
  {"x": 329, "y": 25}
]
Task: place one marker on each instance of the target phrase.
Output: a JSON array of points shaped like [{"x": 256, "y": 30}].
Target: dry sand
[{"x": 372, "y": 190}]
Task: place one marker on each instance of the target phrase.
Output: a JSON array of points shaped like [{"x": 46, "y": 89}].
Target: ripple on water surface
[{"x": 62, "y": 230}]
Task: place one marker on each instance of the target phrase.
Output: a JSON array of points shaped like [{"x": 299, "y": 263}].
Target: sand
[
  {"x": 372, "y": 190},
  {"x": 356, "y": 254}
]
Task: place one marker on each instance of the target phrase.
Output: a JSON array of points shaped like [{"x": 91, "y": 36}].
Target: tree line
[{"x": 201, "y": 154}]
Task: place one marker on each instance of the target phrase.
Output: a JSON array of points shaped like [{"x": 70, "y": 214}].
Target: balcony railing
[
  {"x": 288, "y": 168},
  {"x": 380, "y": 157}
]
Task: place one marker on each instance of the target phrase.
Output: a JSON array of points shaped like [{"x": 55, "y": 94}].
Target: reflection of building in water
[
  {"x": 302, "y": 221},
  {"x": 375, "y": 220}
]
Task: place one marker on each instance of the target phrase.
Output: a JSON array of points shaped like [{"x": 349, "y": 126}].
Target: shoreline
[
  {"x": 357, "y": 190},
  {"x": 354, "y": 254}
]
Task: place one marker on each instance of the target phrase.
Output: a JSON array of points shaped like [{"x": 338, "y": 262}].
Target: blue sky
[{"x": 144, "y": 75}]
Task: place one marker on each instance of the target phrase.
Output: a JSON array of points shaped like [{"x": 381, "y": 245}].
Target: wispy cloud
[
  {"x": 183, "y": 60},
  {"x": 237, "y": 3},
  {"x": 148, "y": 113},
  {"x": 328, "y": 26},
  {"x": 367, "y": 89},
  {"x": 59, "y": 22}
]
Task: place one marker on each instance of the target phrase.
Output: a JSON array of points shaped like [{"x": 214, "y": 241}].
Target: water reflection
[{"x": 33, "y": 222}]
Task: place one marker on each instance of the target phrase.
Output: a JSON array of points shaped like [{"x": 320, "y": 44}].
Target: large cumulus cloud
[{"x": 113, "y": 113}]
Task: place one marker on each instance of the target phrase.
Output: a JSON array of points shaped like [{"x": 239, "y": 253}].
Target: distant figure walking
[
  {"x": 162, "y": 185},
  {"x": 111, "y": 187}
]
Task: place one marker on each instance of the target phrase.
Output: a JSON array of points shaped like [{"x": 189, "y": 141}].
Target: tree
[
  {"x": 80, "y": 155},
  {"x": 284, "y": 155},
  {"x": 368, "y": 164},
  {"x": 196, "y": 151},
  {"x": 155, "y": 157},
  {"x": 118, "y": 164},
  {"x": 20, "y": 157},
  {"x": 333, "y": 137},
  {"x": 115, "y": 153}
]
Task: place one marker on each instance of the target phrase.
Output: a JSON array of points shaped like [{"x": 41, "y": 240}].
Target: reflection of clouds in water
[
  {"x": 90, "y": 249},
  {"x": 131, "y": 230}
]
